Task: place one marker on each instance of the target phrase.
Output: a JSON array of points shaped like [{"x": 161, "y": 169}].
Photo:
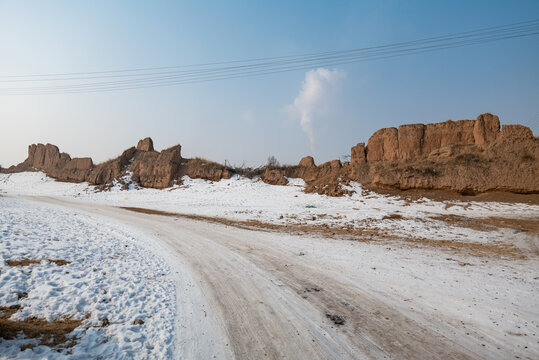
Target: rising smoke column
[{"x": 313, "y": 98}]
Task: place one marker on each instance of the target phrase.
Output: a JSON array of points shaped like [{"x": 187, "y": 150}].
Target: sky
[{"x": 321, "y": 112}]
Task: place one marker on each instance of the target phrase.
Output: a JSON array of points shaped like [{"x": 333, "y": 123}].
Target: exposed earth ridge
[{"x": 465, "y": 156}]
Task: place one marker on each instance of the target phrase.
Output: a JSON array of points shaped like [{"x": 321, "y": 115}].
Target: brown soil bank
[{"x": 465, "y": 156}]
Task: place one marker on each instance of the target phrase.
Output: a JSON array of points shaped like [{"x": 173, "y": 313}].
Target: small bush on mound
[
  {"x": 200, "y": 168},
  {"x": 272, "y": 161},
  {"x": 248, "y": 171}
]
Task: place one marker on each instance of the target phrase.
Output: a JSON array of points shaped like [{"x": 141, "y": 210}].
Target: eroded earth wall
[{"x": 466, "y": 156}]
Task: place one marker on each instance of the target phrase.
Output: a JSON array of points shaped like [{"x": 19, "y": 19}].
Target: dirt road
[{"x": 263, "y": 299}]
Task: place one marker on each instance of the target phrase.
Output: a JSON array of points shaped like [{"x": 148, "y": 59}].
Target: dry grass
[
  {"x": 23, "y": 262},
  {"x": 414, "y": 195},
  {"x": 28, "y": 262},
  {"x": 470, "y": 248},
  {"x": 350, "y": 233},
  {"x": 49, "y": 333},
  {"x": 530, "y": 225},
  {"x": 59, "y": 262}
]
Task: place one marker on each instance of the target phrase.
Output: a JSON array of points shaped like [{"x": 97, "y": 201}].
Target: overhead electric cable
[{"x": 148, "y": 77}]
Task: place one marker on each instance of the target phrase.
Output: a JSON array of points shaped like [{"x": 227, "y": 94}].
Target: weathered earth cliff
[
  {"x": 465, "y": 156},
  {"x": 50, "y": 160},
  {"x": 147, "y": 167}
]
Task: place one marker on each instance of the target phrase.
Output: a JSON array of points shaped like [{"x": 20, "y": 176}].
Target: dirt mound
[
  {"x": 199, "y": 168},
  {"x": 156, "y": 170},
  {"x": 324, "y": 179},
  {"x": 307, "y": 161},
  {"x": 50, "y": 160},
  {"x": 148, "y": 167},
  {"x": 106, "y": 172},
  {"x": 465, "y": 156}
]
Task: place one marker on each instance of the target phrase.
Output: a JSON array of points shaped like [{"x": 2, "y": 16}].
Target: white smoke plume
[{"x": 313, "y": 99}]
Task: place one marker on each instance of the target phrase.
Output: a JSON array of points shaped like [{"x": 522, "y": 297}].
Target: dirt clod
[
  {"x": 27, "y": 346},
  {"x": 337, "y": 319},
  {"x": 393, "y": 217}
]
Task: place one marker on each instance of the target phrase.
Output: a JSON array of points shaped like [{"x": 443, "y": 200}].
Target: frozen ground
[
  {"x": 111, "y": 275},
  {"x": 244, "y": 199},
  {"x": 270, "y": 294}
]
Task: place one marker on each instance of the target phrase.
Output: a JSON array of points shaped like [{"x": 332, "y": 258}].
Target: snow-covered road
[{"x": 260, "y": 294}]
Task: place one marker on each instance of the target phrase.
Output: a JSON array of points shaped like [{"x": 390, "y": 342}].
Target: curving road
[{"x": 252, "y": 296}]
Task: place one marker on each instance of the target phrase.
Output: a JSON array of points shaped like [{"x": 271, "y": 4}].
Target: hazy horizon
[{"x": 321, "y": 112}]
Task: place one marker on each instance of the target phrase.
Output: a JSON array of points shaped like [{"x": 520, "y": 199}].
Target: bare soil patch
[
  {"x": 440, "y": 195},
  {"x": 49, "y": 333},
  {"x": 23, "y": 262},
  {"x": 59, "y": 262},
  {"x": 470, "y": 248},
  {"x": 530, "y": 225},
  {"x": 357, "y": 234},
  {"x": 28, "y": 262}
]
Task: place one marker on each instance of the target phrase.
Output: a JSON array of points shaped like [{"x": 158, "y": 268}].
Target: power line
[
  {"x": 500, "y": 27},
  {"x": 148, "y": 77},
  {"x": 190, "y": 78},
  {"x": 282, "y": 60}
]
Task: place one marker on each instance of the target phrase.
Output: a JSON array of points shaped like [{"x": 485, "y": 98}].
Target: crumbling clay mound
[
  {"x": 50, "y": 160},
  {"x": 156, "y": 169},
  {"x": 199, "y": 168},
  {"x": 148, "y": 167},
  {"x": 465, "y": 156}
]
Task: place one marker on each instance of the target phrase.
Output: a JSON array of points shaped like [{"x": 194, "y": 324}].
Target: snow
[
  {"x": 240, "y": 198},
  {"x": 495, "y": 298},
  {"x": 112, "y": 275}
]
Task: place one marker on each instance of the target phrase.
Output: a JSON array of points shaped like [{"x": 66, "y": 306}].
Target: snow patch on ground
[{"x": 111, "y": 275}]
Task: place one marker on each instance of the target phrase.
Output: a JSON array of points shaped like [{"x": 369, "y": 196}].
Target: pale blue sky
[{"x": 247, "y": 119}]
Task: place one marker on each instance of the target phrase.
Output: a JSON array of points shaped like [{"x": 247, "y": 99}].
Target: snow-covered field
[
  {"x": 487, "y": 304},
  {"x": 244, "y": 199},
  {"x": 111, "y": 275}
]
